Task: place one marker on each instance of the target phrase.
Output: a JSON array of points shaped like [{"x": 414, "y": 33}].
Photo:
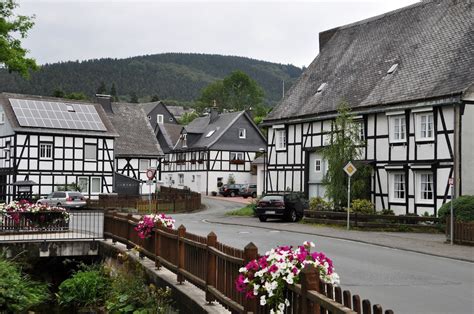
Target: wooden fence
[
  {"x": 167, "y": 200},
  {"x": 374, "y": 221},
  {"x": 213, "y": 267},
  {"x": 463, "y": 231}
]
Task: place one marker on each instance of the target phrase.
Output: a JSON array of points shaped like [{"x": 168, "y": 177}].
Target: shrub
[
  {"x": 318, "y": 203},
  {"x": 463, "y": 207},
  {"x": 86, "y": 288},
  {"x": 18, "y": 293},
  {"x": 362, "y": 206},
  {"x": 387, "y": 212}
]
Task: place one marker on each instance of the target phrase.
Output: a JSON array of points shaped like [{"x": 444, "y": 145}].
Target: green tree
[
  {"x": 113, "y": 92},
  {"x": 188, "y": 117},
  {"x": 134, "y": 98},
  {"x": 102, "y": 88},
  {"x": 58, "y": 92},
  {"x": 345, "y": 146},
  {"x": 76, "y": 96},
  {"x": 155, "y": 98},
  {"x": 237, "y": 91},
  {"x": 12, "y": 54}
]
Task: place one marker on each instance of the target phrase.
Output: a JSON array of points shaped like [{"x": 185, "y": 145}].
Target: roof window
[
  {"x": 210, "y": 133},
  {"x": 392, "y": 68},
  {"x": 70, "y": 108},
  {"x": 321, "y": 87}
]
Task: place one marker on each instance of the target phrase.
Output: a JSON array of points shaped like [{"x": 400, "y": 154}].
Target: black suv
[
  {"x": 230, "y": 189},
  {"x": 288, "y": 206}
]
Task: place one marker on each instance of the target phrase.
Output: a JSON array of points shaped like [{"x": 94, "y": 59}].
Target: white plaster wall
[{"x": 467, "y": 151}]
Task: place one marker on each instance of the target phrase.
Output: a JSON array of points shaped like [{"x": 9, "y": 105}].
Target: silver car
[{"x": 66, "y": 199}]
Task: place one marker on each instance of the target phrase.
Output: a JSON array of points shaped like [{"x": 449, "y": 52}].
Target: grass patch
[{"x": 244, "y": 211}]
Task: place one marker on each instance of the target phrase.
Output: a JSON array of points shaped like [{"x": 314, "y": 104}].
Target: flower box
[{"x": 237, "y": 162}]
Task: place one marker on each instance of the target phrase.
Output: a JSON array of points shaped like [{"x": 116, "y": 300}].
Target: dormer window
[
  {"x": 392, "y": 68},
  {"x": 321, "y": 87},
  {"x": 210, "y": 133},
  {"x": 185, "y": 138},
  {"x": 159, "y": 118},
  {"x": 242, "y": 133}
]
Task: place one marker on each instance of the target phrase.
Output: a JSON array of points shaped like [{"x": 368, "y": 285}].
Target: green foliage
[
  {"x": 102, "y": 89},
  {"x": 134, "y": 98},
  {"x": 155, "y": 98},
  {"x": 18, "y": 292},
  {"x": 318, "y": 203},
  {"x": 113, "y": 92},
  {"x": 344, "y": 147},
  {"x": 463, "y": 208},
  {"x": 76, "y": 96},
  {"x": 235, "y": 92},
  {"x": 386, "y": 211},
  {"x": 362, "y": 206},
  {"x": 86, "y": 288},
  {"x": 248, "y": 210},
  {"x": 129, "y": 293},
  {"x": 231, "y": 179},
  {"x": 12, "y": 55},
  {"x": 188, "y": 117},
  {"x": 172, "y": 76}
]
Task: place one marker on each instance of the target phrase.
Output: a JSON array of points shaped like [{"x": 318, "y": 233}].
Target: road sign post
[
  {"x": 451, "y": 233},
  {"x": 150, "y": 174},
  {"x": 350, "y": 169}
]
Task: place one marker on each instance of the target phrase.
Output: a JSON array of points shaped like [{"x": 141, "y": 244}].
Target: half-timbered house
[
  {"x": 136, "y": 149},
  {"x": 408, "y": 77},
  {"x": 52, "y": 143},
  {"x": 212, "y": 150}
]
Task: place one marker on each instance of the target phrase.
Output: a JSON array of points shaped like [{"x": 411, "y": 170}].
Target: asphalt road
[{"x": 406, "y": 282}]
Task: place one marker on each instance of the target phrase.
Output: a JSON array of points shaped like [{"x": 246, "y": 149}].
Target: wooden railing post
[
  {"x": 309, "y": 281},
  {"x": 129, "y": 227},
  {"x": 250, "y": 253},
  {"x": 157, "y": 245},
  {"x": 211, "y": 266},
  {"x": 181, "y": 233}
]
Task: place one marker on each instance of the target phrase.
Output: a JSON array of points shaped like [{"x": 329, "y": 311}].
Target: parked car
[
  {"x": 287, "y": 206},
  {"x": 230, "y": 189},
  {"x": 66, "y": 199},
  {"x": 248, "y": 190}
]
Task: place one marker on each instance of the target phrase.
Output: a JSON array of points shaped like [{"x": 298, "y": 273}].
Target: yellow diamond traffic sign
[{"x": 350, "y": 169}]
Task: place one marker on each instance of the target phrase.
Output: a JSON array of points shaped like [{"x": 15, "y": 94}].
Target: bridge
[{"x": 202, "y": 261}]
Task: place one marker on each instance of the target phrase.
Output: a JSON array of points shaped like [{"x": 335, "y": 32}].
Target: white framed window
[
  {"x": 144, "y": 164},
  {"x": 96, "y": 186},
  {"x": 83, "y": 183},
  {"x": 2, "y": 117},
  {"x": 397, "y": 187},
  {"x": 7, "y": 150},
  {"x": 360, "y": 131},
  {"x": 424, "y": 126},
  {"x": 193, "y": 178},
  {"x": 397, "y": 129},
  {"x": 46, "y": 150},
  {"x": 280, "y": 138},
  {"x": 202, "y": 155},
  {"x": 185, "y": 140},
  {"x": 90, "y": 152},
  {"x": 237, "y": 156},
  {"x": 159, "y": 118},
  {"x": 424, "y": 187},
  {"x": 317, "y": 165},
  {"x": 180, "y": 178},
  {"x": 242, "y": 133}
]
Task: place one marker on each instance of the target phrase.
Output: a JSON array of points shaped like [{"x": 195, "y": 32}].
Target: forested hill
[{"x": 177, "y": 76}]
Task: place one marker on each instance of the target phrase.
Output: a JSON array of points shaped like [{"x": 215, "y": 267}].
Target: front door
[{"x": 317, "y": 169}]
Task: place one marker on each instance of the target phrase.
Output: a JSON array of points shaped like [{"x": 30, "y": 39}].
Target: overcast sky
[{"x": 277, "y": 31}]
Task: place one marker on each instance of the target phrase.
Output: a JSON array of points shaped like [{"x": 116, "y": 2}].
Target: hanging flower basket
[{"x": 268, "y": 276}]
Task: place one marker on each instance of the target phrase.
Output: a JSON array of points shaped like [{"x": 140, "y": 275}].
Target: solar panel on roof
[{"x": 57, "y": 115}]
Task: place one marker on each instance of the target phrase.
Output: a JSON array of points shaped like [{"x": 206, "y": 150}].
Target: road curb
[{"x": 347, "y": 239}]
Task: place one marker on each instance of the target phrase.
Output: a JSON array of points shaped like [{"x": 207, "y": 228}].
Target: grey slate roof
[
  {"x": 137, "y": 138},
  {"x": 432, "y": 42},
  {"x": 171, "y": 133},
  {"x": 149, "y": 106},
  {"x": 10, "y": 115},
  {"x": 203, "y": 126}
]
